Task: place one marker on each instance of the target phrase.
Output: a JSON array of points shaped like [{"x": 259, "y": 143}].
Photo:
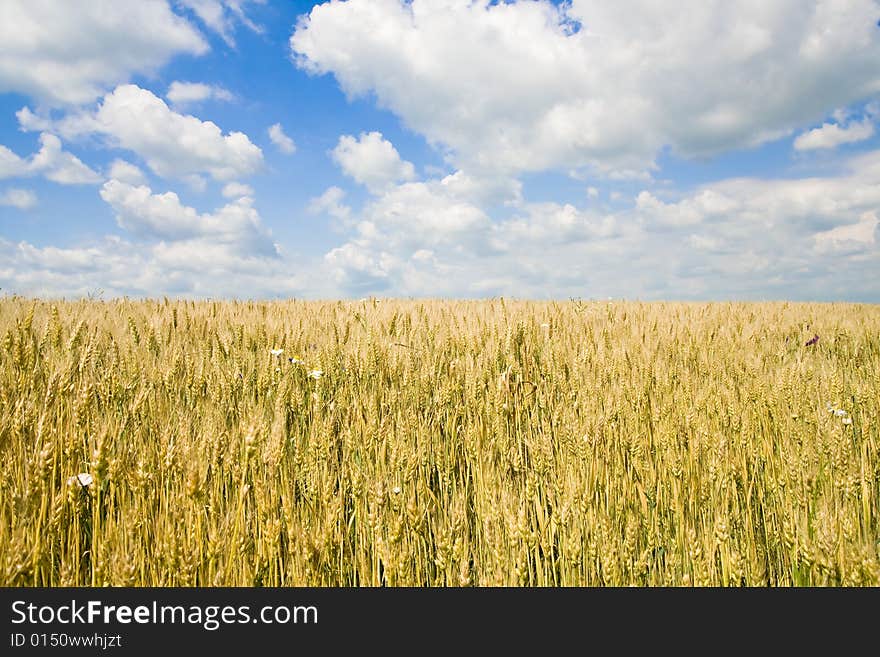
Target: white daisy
[{"x": 84, "y": 479}]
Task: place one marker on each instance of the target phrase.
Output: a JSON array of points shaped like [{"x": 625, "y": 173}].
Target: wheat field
[{"x": 438, "y": 443}]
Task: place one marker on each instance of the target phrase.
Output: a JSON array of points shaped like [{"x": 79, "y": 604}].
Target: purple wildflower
[{"x": 812, "y": 341}]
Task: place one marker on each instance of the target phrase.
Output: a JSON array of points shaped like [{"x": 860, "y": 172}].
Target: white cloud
[
  {"x": 856, "y": 237},
  {"x": 194, "y": 268},
  {"x": 30, "y": 122},
  {"x": 237, "y": 190},
  {"x": 11, "y": 165},
  {"x": 126, "y": 172},
  {"x": 23, "y": 199},
  {"x": 282, "y": 141},
  {"x": 809, "y": 238},
  {"x": 331, "y": 203},
  {"x": 173, "y": 145},
  {"x": 743, "y": 238},
  {"x": 414, "y": 217},
  {"x": 60, "y": 166},
  {"x": 372, "y": 160},
  {"x": 70, "y": 52},
  {"x": 221, "y": 16},
  {"x": 164, "y": 217},
  {"x": 551, "y": 224},
  {"x": 185, "y": 93},
  {"x": 172, "y": 249},
  {"x": 832, "y": 134},
  {"x": 688, "y": 212},
  {"x": 51, "y": 161},
  {"x": 516, "y": 87}
]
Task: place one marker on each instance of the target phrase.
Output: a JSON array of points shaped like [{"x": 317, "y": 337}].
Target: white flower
[
  {"x": 316, "y": 374},
  {"x": 847, "y": 420},
  {"x": 84, "y": 479},
  {"x": 396, "y": 490},
  {"x": 840, "y": 412},
  {"x": 296, "y": 361},
  {"x": 276, "y": 352}
]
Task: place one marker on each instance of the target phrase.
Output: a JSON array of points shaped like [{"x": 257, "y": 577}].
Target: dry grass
[{"x": 447, "y": 443}]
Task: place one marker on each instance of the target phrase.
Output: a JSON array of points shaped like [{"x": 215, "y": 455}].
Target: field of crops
[{"x": 482, "y": 443}]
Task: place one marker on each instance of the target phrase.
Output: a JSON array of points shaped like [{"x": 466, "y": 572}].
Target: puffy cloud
[
  {"x": 282, "y": 141},
  {"x": 805, "y": 205},
  {"x": 550, "y": 224},
  {"x": 11, "y": 165},
  {"x": 853, "y": 237},
  {"x": 184, "y": 93},
  {"x": 193, "y": 268},
  {"x": 163, "y": 217},
  {"x": 23, "y": 199},
  {"x": 808, "y": 238},
  {"x": 126, "y": 172},
  {"x": 51, "y": 161},
  {"x": 60, "y": 166},
  {"x": 416, "y": 238},
  {"x": 70, "y": 52},
  {"x": 331, "y": 203},
  {"x": 831, "y": 135},
  {"x": 172, "y": 144},
  {"x": 593, "y": 85},
  {"x": 31, "y": 122},
  {"x": 237, "y": 190},
  {"x": 171, "y": 248},
  {"x": 704, "y": 205},
  {"x": 372, "y": 160}
]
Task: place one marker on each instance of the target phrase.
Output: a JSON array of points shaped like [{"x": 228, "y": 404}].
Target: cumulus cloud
[
  {"x": 831, "y": 135},
  {"x": 804, "y": 238},
  {"x": 237, "y": 190},
  {"x": 71, "y": 52},
  {"x": 434, "y": 238},
  {"x": 741, "y": 238},
  {"x": 185, "y": 93},
  {"x": 194, "y": 268},
  {"x": 854, "y": 237},
  {"x": 282, "y": 141},
  {"x": 696, "y": 209},
  {"x": 23, "y": 199},
  {"x": 164, "y": 217},
  {"x": 11, "y": 165},
  {"x": 170, "y": 248},
  {"x": 173, "y": 145},
  {"x": 59, "y": 166},
  {"x": 126, "y": 172},
  {"x": 592, "y": 85},
  {"x": 372, "y": 160},
  {"x": 51, "y": 161},
  {"x": 331, "y": 203}
]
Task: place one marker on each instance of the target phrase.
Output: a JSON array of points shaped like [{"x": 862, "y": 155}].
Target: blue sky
[{"x": 445, "y": 148}]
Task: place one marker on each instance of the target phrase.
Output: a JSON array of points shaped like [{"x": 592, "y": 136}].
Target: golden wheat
[{"x": 438, "y": 443}]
